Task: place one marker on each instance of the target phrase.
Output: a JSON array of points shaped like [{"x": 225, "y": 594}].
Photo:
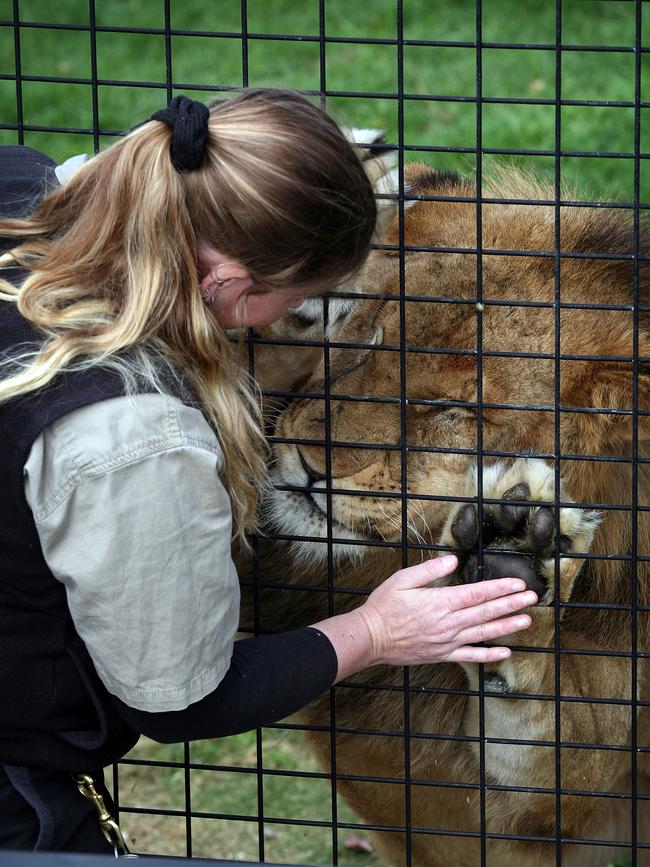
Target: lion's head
[{"x": 476, "y": 370}]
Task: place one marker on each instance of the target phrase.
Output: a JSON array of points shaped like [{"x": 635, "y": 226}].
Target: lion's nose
[{"x": 312, "y": 474}]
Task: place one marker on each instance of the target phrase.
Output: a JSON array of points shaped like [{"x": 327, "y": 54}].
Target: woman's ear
[
  {"x": 229, "y": 286},
  {"x": 219, "y": 266},
  {"x": 230, "y": 271}
]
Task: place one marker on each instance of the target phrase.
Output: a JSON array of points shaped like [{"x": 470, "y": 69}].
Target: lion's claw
[{"x": 465, "y": 527}]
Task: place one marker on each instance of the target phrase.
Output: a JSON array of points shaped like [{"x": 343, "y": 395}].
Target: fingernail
[
  {"x": 530, "y": 598},
  {"x": 448, "y": 561},
  {"x": 504, "y": 654},
  {"x": 523, "y": 622},
  {"x": 518, "y": 585}
]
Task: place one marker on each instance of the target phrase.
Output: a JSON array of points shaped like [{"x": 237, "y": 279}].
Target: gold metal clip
[{"x": 109, "y": 827}]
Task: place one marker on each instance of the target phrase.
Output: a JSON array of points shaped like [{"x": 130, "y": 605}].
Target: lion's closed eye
[
  {"x": 309, "y": 312},
  {"x": 322, "y": 312}
]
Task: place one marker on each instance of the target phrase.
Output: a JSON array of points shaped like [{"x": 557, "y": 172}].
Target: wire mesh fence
[{"x": 480, "y": 387}]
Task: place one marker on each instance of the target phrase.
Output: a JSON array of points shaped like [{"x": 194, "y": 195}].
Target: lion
[{"x": 451, "y": 438}]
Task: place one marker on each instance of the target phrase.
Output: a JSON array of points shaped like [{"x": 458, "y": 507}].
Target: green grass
[
  {"x": 235, "y": 793},
  {"x": 444, "y": 71}
]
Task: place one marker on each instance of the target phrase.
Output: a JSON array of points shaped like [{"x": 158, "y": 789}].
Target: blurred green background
[
  {"x": 226, "y": 781},
  {"x": 447, "y": 71}
]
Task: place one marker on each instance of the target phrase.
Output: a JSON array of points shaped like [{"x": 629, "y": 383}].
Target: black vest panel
[{"x": 54, "y": 711}]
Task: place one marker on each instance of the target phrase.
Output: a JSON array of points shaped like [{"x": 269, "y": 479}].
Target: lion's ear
[
  {"x": 430, "y": 218},
  {"x": 380, "y": 162},
  {"x": 387, "y": 189},
  {"x": 377, "y": 157}
]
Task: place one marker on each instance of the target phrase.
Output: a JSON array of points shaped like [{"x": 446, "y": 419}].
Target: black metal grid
[{"x": 16, "y": 21}]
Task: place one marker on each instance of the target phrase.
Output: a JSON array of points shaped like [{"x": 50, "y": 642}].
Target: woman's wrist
[{"x": 352, "y": 639}]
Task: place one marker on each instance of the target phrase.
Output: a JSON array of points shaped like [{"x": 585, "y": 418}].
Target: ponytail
[{"x": 111, "y": 258}]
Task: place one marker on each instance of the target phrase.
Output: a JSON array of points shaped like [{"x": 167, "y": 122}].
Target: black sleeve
[{"x": 270, "y": 677}]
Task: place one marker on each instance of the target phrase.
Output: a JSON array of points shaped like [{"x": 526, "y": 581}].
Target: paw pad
[
  {"x": 522, "y": 533},
  {"x": 528, "y": 531}
]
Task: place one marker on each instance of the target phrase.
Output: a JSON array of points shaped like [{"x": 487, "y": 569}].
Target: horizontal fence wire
[{"x": 378, "y": 767}]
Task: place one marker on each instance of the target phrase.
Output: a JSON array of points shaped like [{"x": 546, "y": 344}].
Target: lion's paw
[{"x": 520, "y": 537}]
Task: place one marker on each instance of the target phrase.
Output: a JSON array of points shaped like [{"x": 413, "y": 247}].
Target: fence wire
[{"x": 74, "y": 76}]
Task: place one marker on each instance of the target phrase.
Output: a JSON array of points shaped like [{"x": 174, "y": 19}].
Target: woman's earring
[
  {"x": 214, "y": 273},
  {"x": 209, "y": 294}
]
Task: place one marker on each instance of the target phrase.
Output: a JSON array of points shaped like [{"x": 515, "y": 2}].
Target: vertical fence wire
[
  {"x": 634, "y": 515},
  {"x": 329, "y": 496},
  {"x": 479, "y": 406},
  {"x": 94, "y": 90},
  {"x": 254, "y": 542},
  {"x": 20, "y": 130},
  {"x": 557, "y": 446},
  {"x": 169, "y": 69},
  {"x": 403, "y": 396}
]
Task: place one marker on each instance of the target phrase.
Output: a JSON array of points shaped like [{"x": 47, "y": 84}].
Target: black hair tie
[{"x": 189, "y": 121}]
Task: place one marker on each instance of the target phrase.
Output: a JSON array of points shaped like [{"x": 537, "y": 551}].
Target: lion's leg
[
  {"x": 371, "y": 768},
  {"x": 588, "y": 767},
  {"x": 521, "y": 538}
]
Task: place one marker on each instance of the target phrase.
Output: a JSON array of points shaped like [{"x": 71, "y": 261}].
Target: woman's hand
[{"x": 406, "y": 622}]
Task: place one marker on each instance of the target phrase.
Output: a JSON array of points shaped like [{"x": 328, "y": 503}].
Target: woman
[{"x": 134, "y": 450}]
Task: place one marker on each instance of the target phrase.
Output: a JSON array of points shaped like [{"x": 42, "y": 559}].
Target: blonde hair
[{"x": 110, "y": 258}]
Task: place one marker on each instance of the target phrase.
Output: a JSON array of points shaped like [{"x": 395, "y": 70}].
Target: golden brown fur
[{"x": 439, "y": 713}]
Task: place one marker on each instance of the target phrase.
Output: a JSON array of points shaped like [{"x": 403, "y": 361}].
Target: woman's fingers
[
  {"x": 493, "y": 609},
  {"x": 493, "y": 629},
  {"x": 479, "y": 654},
  {"x": 470, "y": 595},
  {"x": 424, "y": 573}
]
